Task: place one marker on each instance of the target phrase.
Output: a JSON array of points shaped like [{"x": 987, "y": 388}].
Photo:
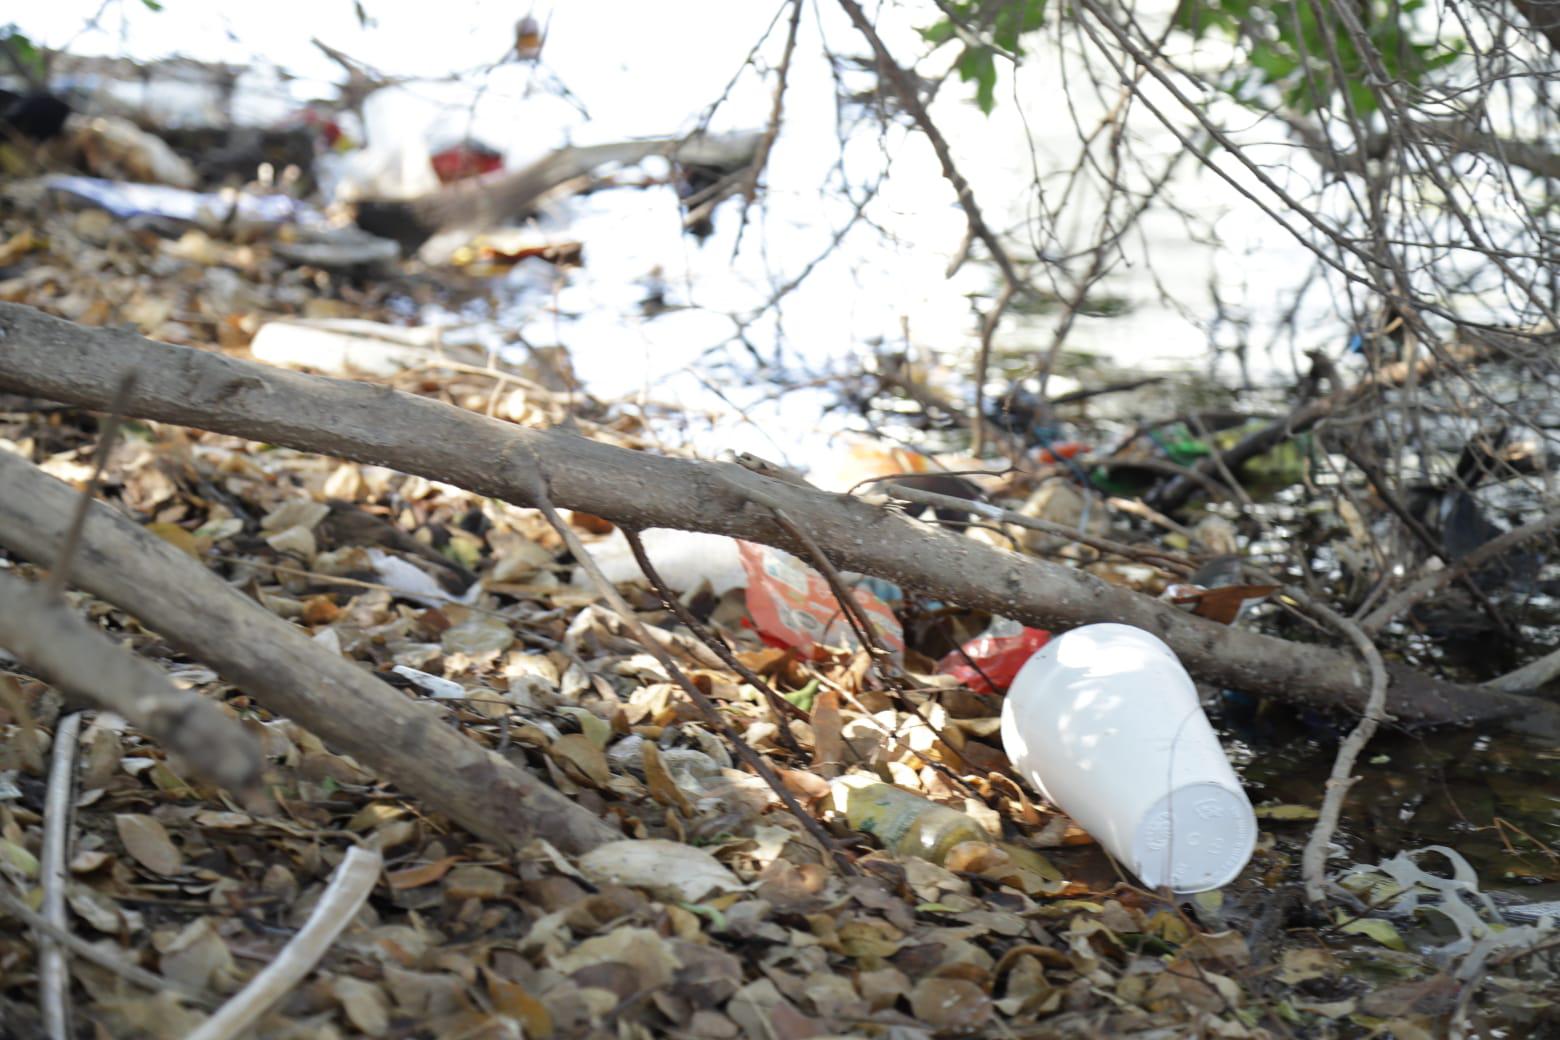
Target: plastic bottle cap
[{"x": 1196, "y": 838}]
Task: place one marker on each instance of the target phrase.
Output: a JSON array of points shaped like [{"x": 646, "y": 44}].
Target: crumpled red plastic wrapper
[
  {"x": 998, "y": 653},
  {"x": 792, "y": 605}
]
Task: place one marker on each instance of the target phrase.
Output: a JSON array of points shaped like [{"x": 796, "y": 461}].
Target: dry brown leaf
[
  {"x": 97, "y": 909},
  {"x": 423, "y": 994},
  {"x": 199, "y": 958},
  {"x": 1434, "y": 996},
  {"x": 365, "y": 1004},
  {"x": 180, "y": 539},
  {"x": 950, "y": 1004},
  {"x": 646, "y": 956},
  {"x": 375, "y": 813},
  {"x": 513, "y": 1000},
  {"x": 662, "y": 787},
  {"x": 581, "y": 759},
  {"x": 828, "y": 734},
  {"x": 148, "y": 843},
  {"x": 679, "y": 871},
  {"x": 476, "y": 882},
  {"x": 426, "y": 874},
  {"x": 882, "y": 987},
  {"x": 1224, "y": 950},
  {"x": 1297, "y": 966},
  {"x": 810, "y": 787}
]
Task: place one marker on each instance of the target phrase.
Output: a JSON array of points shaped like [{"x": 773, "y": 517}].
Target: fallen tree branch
[
  {"x": 73, "y": 655},
  {"x": 49, "y": 357},
  {"x": 402, "y": 740},
  {"x": 1529, "y": 677}
]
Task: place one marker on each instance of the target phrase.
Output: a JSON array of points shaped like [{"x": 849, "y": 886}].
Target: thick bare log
[
  {"x": 402, "y": 740},
  {"x": 48, "y": 357},
  {"x": 45, "y": 633}
]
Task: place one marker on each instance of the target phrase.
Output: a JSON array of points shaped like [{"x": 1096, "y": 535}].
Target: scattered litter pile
[{"x": 728, "y": 903}]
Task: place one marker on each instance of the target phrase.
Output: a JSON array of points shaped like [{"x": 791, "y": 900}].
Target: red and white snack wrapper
[{"x": 792, "y": 605}]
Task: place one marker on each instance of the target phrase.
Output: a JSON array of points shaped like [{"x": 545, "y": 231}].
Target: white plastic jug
[{"x": 1105, "y": 723}]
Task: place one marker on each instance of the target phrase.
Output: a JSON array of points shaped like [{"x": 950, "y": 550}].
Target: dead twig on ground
[
  {"x": 541, "y": 497},
  {"x": 1313, "y": 862},
  {"x": 149, "y": 981},
  {"x": 53, "y": 968},
  {"x": 343, "y": 898},
  {"x": 777, "y": 704},
  {"x": 405, "y": 741}
]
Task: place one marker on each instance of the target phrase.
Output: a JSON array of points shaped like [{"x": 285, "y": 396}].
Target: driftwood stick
[
  {"x": 484, "y": 201},
  {"x": 105, "y": 445},
  {"x": 49, "y": 357},
  {"x": 80, "y": 659},
  {"x": 349, "y": 887},
  {"x": 403, "y": 740},
  {"x": 1530, "y": 676}
]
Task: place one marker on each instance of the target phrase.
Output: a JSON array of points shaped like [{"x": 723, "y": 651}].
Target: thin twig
[
  {"x": 1422, "y": 535},
  {"x": 988, "y": 331},
  {"x": 1431, "y": 583},
  {"x": 866, "y": 631},
  {"x": 344, "y": 896},
  {"x": 1172, "y": 561},
  {"x": 910, "y": 99},
  {"x": 1313, "y": 861},
  {"x": 542, "y": 500},
  {"x": 80, "y": 659},
  {"x": 53, "y": 970},
  {"x": 105, "y": 444},
  {"x": 772, "y": 131},
  {"x": 132, "y": 973},
  {"x": 778, "y": 704}
]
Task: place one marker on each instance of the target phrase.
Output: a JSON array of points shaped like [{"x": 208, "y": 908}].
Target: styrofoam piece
[
  {"x": 682, "y": 558},
  {"x": 343, "y": 347},
  {"x": 1105, "y": 723}
]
